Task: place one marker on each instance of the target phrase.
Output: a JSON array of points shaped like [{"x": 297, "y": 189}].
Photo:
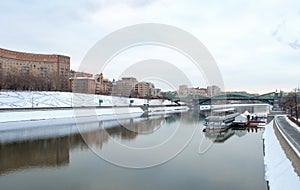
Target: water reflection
[
  {"x": 36, "y": 153},
  {"x": 220, "y": 136},
  {"x": 55, "y": 151}
]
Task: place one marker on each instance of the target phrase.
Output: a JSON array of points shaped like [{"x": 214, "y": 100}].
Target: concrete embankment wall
[
  {"x": 286, "y": 146},
  {"x": 99, "y": 113},
  {"x": 44, "y": 114}
]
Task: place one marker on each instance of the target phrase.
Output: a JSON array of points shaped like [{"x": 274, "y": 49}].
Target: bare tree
[
  {"x": 28, "y": 81},
  {"x": 290, "y": 102}
]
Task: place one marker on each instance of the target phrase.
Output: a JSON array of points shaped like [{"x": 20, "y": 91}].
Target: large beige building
[
  {"x": 28, "y": 71},
  {"x": 124, "y": 87}
]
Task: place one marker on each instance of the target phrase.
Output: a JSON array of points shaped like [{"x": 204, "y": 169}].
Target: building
[
  {"x": 75, "y": 74},
  {"x": 99, "y": 83},
  {"x": 143, "y": 89},
  {"x": 197, "y": 91},
  {"x": 84, "y": 85},
  {"x": 183, "y": 90},
  {"x": 103, "y": 86},
  {"x": 213, "y": 90},
  {"x": 28, "y": 71},
  {"x": 106, "y": 87},
  {"x": 155, "y": 93},
  {"x": 124, "y": 87}
]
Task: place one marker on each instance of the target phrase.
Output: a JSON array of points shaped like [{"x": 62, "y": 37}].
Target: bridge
[{"x": 271, "y": 98}]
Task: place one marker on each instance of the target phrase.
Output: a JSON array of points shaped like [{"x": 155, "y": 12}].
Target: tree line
[{"x": 28, "y": 81}]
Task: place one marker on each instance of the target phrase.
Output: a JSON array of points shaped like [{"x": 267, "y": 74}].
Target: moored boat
[{"x": 223, "y": 120}]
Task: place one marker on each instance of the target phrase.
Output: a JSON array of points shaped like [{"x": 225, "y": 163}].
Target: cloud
[
  {"x": 288, "y": 31},
  {"x": 295, "y": 44}
]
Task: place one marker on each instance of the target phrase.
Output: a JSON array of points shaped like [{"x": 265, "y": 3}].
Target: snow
[
  {"x": 240, "y": 118},
  {"x": 292, "y": 124},
  {"x": 29, "y": 99},
  {"x": 68, "y": 113},
  {"x": 26, "y": 99},
  {"x": 166, "y": 110},
  {"x": 247, "y": 113},
  {"x": 279, "y": 170}
]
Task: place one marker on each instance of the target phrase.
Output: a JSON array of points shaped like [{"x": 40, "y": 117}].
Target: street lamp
[{"x": 296, "y": 102}]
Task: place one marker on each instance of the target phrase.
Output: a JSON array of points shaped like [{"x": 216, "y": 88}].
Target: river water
[{"x": 194, "y": 159}]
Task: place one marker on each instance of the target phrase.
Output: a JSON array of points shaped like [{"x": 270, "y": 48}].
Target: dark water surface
[{"x": 233, "y": 160}]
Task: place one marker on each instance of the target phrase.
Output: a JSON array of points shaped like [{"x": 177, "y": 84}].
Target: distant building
[
  {"x": 124, "y": 87},
  {"x": 99, "y": 83},
  {"x": 155, "y": 93},
  {"x": 103, "y": 86},
  {"x": 143, "y": 89},
  {"x": 75, "y": 74},
  {"x": 213, "y": 90},
  {"x": 84, "y": 85},
  {"x": 198, "y": 91},
  {"x": 183, "y": 90},
  {"x": 28, "y": 71},
  {"x": 106, "y": 87}
]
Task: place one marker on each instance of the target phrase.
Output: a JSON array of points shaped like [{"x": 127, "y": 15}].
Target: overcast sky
[{"x": 256, "y": 44}]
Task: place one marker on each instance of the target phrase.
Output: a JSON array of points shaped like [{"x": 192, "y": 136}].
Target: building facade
[
  {"x": 143, "y": 89},
  {"x": 155, "y": 93},
  {"x": 213, "y": 90},
  {"x": 103, "y": 86},
  {"x": 183, "y": 90},
  {"x": 197, "y": 91},
  {"x": 84, "y": 85},
  {"x": 124, "y": 87},
  {"x": 74, "y": 74},
  {"x": 28, "y": 71}
]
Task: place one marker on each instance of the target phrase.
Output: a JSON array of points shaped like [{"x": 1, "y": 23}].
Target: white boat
[{"x": 223, "y": 120}]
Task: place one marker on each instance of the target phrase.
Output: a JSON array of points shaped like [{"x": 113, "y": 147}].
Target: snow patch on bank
[{"x": 278, "y": 168}]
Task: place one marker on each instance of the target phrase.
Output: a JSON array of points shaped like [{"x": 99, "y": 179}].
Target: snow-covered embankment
[{"x": 279, "y": 171}]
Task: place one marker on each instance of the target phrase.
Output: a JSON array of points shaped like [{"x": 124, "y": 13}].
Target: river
[{"x": 193, "y": 159}]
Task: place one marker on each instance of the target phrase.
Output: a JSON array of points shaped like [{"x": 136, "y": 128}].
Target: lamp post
[
  {"x": 296, "y": 102},
  {"x": 32, "y": 99}
]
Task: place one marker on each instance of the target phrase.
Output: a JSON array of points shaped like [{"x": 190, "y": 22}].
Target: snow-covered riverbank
[
  {"x": 279, "y": 170},
  {"x": 27, "y": 99},
  {"x": 12, "y": 104}
]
